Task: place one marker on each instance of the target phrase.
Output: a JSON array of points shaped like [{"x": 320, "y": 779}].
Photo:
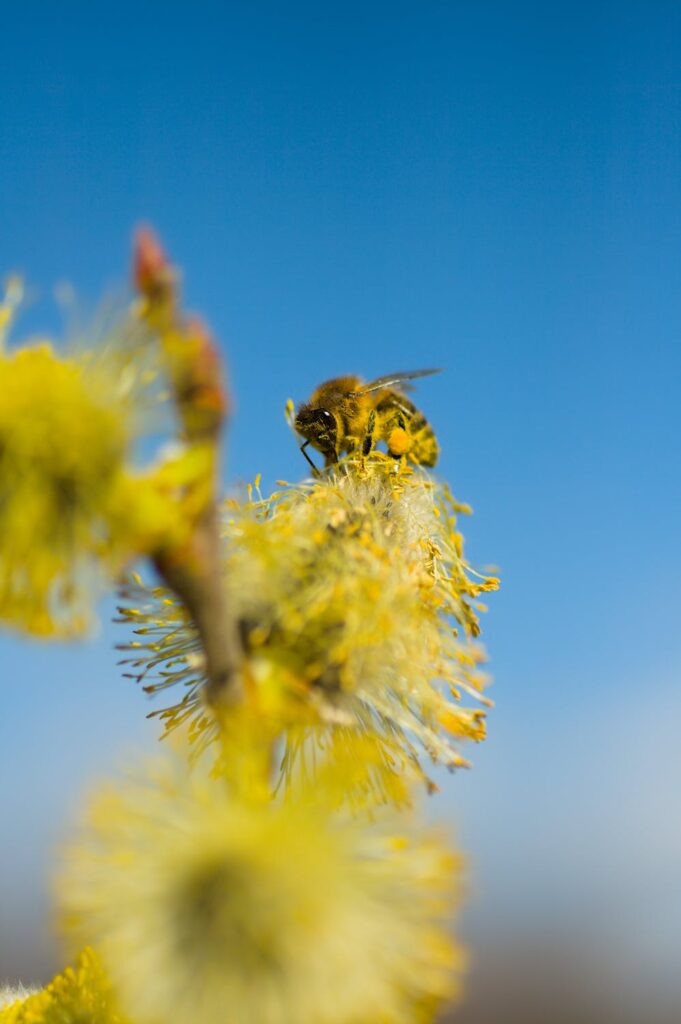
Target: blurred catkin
[
  {"x": 75, "y": 506},
  {"x": 202, "y": 894},
  {"x": 81, "y": 994}
]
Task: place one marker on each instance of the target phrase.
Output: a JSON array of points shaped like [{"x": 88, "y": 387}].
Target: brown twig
[{"x": 194, "y": 569}]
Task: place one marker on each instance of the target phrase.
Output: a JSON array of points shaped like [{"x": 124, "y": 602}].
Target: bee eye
[{"x": 327, "y": 417}]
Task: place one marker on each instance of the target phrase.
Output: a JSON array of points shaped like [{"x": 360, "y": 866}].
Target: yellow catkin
[
  {"x": 201, "y": 893},
  {"x": 74, "y": 507},
  {"x": 81, "y": 994},
  {"x": 356, "y": 608}
]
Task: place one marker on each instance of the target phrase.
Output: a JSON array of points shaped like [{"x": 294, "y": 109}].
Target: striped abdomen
[{"x": 405, "y": 430}]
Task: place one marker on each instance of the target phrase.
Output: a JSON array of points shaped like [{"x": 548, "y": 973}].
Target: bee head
[{"x": 319, "y": 427}]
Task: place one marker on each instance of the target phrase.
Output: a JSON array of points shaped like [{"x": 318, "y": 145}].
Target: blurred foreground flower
[
  {"x": 73, "y": 509},
  {"x": 355, "y": 607},
  {"x": 10, "y": 994},
  {"x": 80, "y": 995},
  {"x": 209, "y": 902}
]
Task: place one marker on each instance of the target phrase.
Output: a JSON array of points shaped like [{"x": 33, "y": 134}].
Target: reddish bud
[{"x": 150, "y": 265}]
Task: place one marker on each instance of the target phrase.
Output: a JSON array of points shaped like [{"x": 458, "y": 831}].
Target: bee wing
[{"x": 390, "y": 380}]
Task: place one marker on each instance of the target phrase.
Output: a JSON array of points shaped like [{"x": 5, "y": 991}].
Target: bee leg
[
  {"x": 368, "y": 442},
  {"x": 315, "y": 471}
]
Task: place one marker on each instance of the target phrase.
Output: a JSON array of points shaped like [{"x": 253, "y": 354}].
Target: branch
[{"x": 194, "y": 569}]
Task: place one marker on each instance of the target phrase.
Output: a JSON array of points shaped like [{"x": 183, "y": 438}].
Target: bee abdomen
[
  {"x": 408, "y": 432},
  {"x": 424, "y": 448}
]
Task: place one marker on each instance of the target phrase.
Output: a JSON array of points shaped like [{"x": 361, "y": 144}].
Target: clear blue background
[{"x": 493, "y": 188}]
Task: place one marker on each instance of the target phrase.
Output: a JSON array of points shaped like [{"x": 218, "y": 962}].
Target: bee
[{"x": 344, "y": 415}]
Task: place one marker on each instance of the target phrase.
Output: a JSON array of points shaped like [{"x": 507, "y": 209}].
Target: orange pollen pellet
[{"x": 398, "y": 442}]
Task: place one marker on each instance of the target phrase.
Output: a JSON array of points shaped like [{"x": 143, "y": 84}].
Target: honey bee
[{"x": 344, "y": 415}]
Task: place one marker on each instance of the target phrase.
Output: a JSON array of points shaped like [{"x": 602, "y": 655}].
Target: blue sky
[{"x": 492, "y": 188}]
